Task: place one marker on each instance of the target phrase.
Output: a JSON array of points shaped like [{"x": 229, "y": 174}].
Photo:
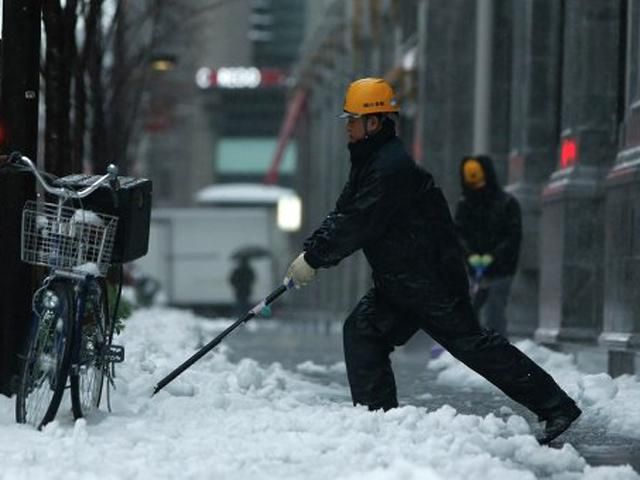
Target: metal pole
[
  {"x": 20, "y": 76},
  {"x": 482, "y": 92},
  {"x": 421, "y": 65}
]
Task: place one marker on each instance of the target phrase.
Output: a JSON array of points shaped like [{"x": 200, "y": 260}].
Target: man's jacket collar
[{"x": 361, "y": 151}]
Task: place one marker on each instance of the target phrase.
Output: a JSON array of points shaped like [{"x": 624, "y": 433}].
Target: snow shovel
[{"x": 209, "y": 346}]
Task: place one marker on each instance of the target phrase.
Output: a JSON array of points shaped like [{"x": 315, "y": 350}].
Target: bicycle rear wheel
[
  {"x": 46, "y": 364},
  {"x": 88, "y": 378}
]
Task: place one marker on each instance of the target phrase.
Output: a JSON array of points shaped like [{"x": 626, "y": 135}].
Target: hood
[{"x": 492, "y": 184}]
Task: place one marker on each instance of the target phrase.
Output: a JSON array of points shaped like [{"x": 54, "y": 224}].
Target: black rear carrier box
[{"x": 132, "y": 207}]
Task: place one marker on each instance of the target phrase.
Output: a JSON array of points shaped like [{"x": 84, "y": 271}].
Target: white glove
[{"x": 300, "y": 272}]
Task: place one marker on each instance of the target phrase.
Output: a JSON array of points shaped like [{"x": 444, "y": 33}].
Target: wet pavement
[{"x": 294, "y": 343}]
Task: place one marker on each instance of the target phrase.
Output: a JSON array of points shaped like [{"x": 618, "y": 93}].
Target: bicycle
[{"x": 71, "y": 331}]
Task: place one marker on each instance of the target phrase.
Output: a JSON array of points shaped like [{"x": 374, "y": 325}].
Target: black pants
[{"x": 375, "y": 326}]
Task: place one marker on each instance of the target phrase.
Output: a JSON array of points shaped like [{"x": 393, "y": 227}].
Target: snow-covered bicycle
[{"x": 71, "y": 330}]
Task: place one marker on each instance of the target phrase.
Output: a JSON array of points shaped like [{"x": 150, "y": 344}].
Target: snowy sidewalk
[{"x": 228, "y": 419}]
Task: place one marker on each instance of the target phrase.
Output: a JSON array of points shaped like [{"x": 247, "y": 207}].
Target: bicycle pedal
[{"x": 114, "y": 354}]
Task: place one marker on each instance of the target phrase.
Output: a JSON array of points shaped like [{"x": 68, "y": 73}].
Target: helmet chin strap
[
  {"x": 364, "y": 119},
  {"x": 364, "y": 125}
]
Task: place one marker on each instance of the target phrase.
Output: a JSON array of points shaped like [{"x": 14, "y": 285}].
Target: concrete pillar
[
  {"x": 421, "y": 60},
  {"x": 621, "y": 325},
  {"x": 537, "y": 44},
  {"x": 572, "y": 229},
  {"x": 448, "y": 90},
  {"x": 501, "y": 86}
]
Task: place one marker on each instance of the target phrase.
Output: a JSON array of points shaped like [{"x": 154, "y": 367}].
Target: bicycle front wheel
[
  {"x": 87, "y": 379},
  {"x": 46, "y": 363}
]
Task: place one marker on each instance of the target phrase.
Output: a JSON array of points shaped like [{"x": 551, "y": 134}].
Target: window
[{"x": 251, "y": 156}]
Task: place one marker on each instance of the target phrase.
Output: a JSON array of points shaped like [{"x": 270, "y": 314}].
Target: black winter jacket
[
  {"x": 391, "y": 208},
  {"x": 489, "y": 221}
]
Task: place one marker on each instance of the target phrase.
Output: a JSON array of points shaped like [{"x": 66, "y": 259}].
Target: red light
[
  {"x": 272, "y": 77},
  {"x": 568, "y": 152}
]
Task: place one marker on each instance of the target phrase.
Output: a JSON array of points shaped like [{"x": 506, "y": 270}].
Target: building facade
[
  {"x": 206, "y": 119},
  {"x": 549, "y": 89}
]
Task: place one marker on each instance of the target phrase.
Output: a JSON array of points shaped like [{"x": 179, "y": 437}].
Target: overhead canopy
[
  {"x": 252, "y": 156},
  {"x": 242, "y": 194}
]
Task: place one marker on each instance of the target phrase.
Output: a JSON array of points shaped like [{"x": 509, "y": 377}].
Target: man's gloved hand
[
  {"x": 487, "y": 259},
  {"x": 299, "y": 272},
  {"x": 474, "y": 260}
]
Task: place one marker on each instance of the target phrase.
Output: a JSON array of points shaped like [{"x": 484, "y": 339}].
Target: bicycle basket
[{"x": 67, "y": 238}]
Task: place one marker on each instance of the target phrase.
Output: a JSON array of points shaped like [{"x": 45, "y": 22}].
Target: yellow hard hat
[
  {"x": 473, "y": 174},
  {"x": 367, "y": 96}
]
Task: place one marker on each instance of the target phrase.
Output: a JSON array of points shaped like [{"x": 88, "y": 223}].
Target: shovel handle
[{"x": 209, "y": 346}]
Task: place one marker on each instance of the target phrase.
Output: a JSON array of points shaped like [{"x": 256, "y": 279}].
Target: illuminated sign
[
  {"x": 239, "y": 77},
  {"x": 203, "y": 78}
]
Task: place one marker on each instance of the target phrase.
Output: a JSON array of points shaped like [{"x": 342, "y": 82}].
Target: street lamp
[{"x": 289, "y": 213}]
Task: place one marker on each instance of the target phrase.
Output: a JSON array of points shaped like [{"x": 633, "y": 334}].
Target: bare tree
[
  {"x": 96, "y": 69},
  {"x": 60, "y": 26}
]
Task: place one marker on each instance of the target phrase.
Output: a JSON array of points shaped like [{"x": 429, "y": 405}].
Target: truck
[{"x": 193, "y": 250}]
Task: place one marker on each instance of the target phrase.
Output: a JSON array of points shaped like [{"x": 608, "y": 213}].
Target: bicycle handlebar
[{"x": 110, "y": 176}]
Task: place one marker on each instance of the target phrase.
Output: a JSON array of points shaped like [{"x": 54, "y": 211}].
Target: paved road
[{"x": 293, "y": 343}]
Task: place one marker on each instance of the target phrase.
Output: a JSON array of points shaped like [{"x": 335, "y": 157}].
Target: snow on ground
[
  {"x": 241, "y": 420},
  {"x": 610, "y": 402},
  {"x": 312, "y": 368}
]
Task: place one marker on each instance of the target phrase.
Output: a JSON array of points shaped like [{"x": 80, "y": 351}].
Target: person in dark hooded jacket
[
  {"x": 241, "y": 280},
  {"x": 392, "y": 209},
  {"x": 490, "y": 228}
]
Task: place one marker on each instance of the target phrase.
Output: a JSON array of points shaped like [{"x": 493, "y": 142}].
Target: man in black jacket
[
  {"x": 392, "y": 210},
  {"x": 490, "y": 228}
]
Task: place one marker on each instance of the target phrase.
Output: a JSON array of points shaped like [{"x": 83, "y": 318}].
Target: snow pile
[
  {"x": 312, "y": 368},
  {"x": 611, "y": 402},
  {"x": 239, "y": 421},
  {"x": 87, "y": 217}
]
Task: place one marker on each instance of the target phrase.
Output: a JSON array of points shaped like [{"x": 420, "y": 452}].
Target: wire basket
[{"x": 67, "y": 238}]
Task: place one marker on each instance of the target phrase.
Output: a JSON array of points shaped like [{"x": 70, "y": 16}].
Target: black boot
[{"x": 558, "y": 421}]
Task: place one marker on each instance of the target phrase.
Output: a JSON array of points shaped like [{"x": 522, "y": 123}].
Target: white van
[{"x": 192, "y": 251}]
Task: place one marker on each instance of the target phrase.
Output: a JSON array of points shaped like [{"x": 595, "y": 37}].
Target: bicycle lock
[{"x": 213, "y": 343}]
